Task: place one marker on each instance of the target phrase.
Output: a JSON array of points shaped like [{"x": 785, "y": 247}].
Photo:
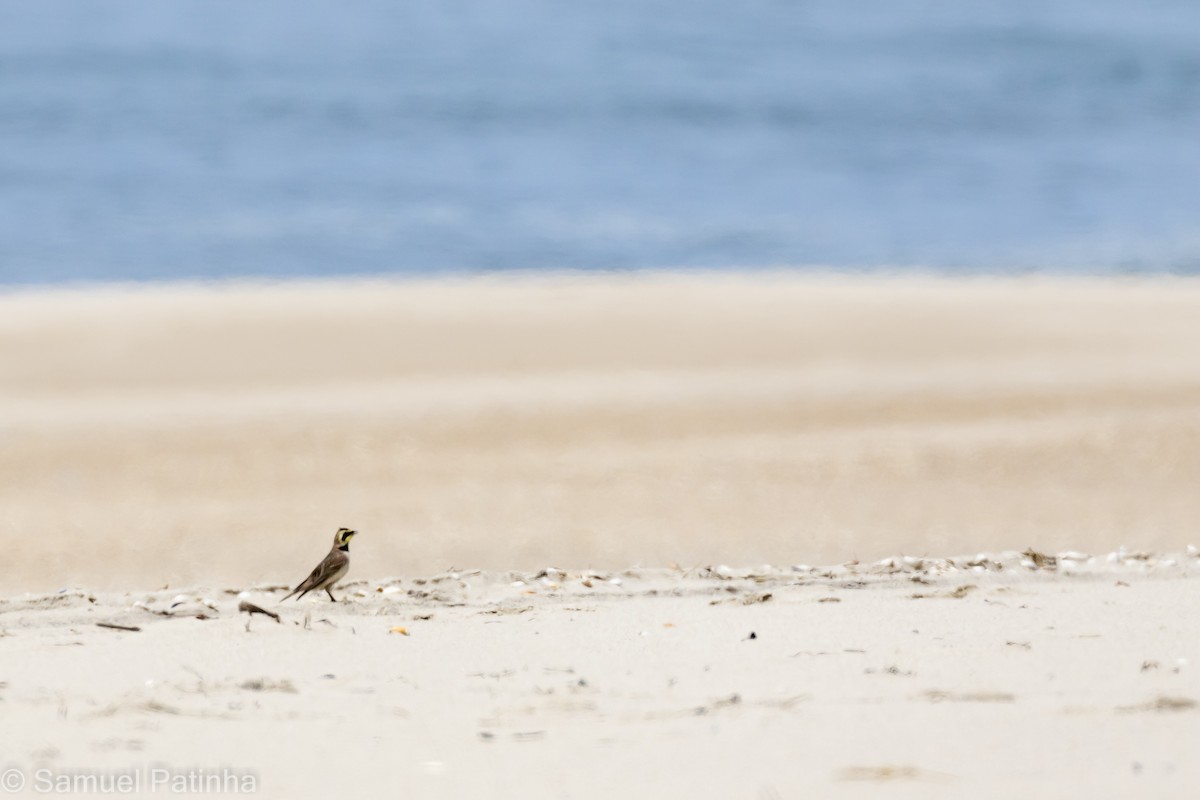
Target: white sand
[{"x": 934, "y": 680}]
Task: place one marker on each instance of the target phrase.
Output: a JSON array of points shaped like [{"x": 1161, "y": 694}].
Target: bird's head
[{"x": 341, "y": 539}]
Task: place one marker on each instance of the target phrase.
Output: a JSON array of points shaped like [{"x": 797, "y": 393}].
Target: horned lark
[{"x": 331, "y": 570}]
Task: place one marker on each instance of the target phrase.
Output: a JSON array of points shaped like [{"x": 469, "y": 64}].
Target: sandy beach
[
  {"x": 178, "y": 435},
  {"x": 577, "y": 498},
  {"x": 987, "y": 676}
]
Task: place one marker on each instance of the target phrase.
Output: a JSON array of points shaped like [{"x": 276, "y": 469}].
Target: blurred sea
[{"x": 211, "y": 138}]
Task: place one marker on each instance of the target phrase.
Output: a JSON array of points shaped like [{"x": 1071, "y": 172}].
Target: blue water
[{"x": 146, "y": 140}]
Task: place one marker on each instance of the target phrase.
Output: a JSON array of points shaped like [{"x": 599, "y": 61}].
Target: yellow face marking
[{"x": 344, "y": 535}]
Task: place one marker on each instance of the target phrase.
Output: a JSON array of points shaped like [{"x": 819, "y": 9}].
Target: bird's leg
[{"x": 331, "y": 597}]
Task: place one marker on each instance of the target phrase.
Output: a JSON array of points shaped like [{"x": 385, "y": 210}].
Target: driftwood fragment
[{"x": 250, "y": 608}]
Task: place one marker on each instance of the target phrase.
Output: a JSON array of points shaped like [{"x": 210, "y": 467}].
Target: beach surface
[
  {"x": 599, "y": 501},
  {"x": 182, "y": 435},
  {"x": 990, "y": 676}
]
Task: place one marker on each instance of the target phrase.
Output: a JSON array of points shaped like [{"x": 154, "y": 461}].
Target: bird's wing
[{"x": 319, "y": 575}]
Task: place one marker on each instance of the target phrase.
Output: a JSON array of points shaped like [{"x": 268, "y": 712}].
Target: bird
[{"x": 331, "y": 570}]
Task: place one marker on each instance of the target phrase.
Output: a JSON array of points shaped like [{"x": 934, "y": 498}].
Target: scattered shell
[{"x": 1040, "y": 560}]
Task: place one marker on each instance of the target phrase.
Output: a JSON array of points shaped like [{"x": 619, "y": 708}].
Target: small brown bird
[{"x": 331, "y": 570}]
